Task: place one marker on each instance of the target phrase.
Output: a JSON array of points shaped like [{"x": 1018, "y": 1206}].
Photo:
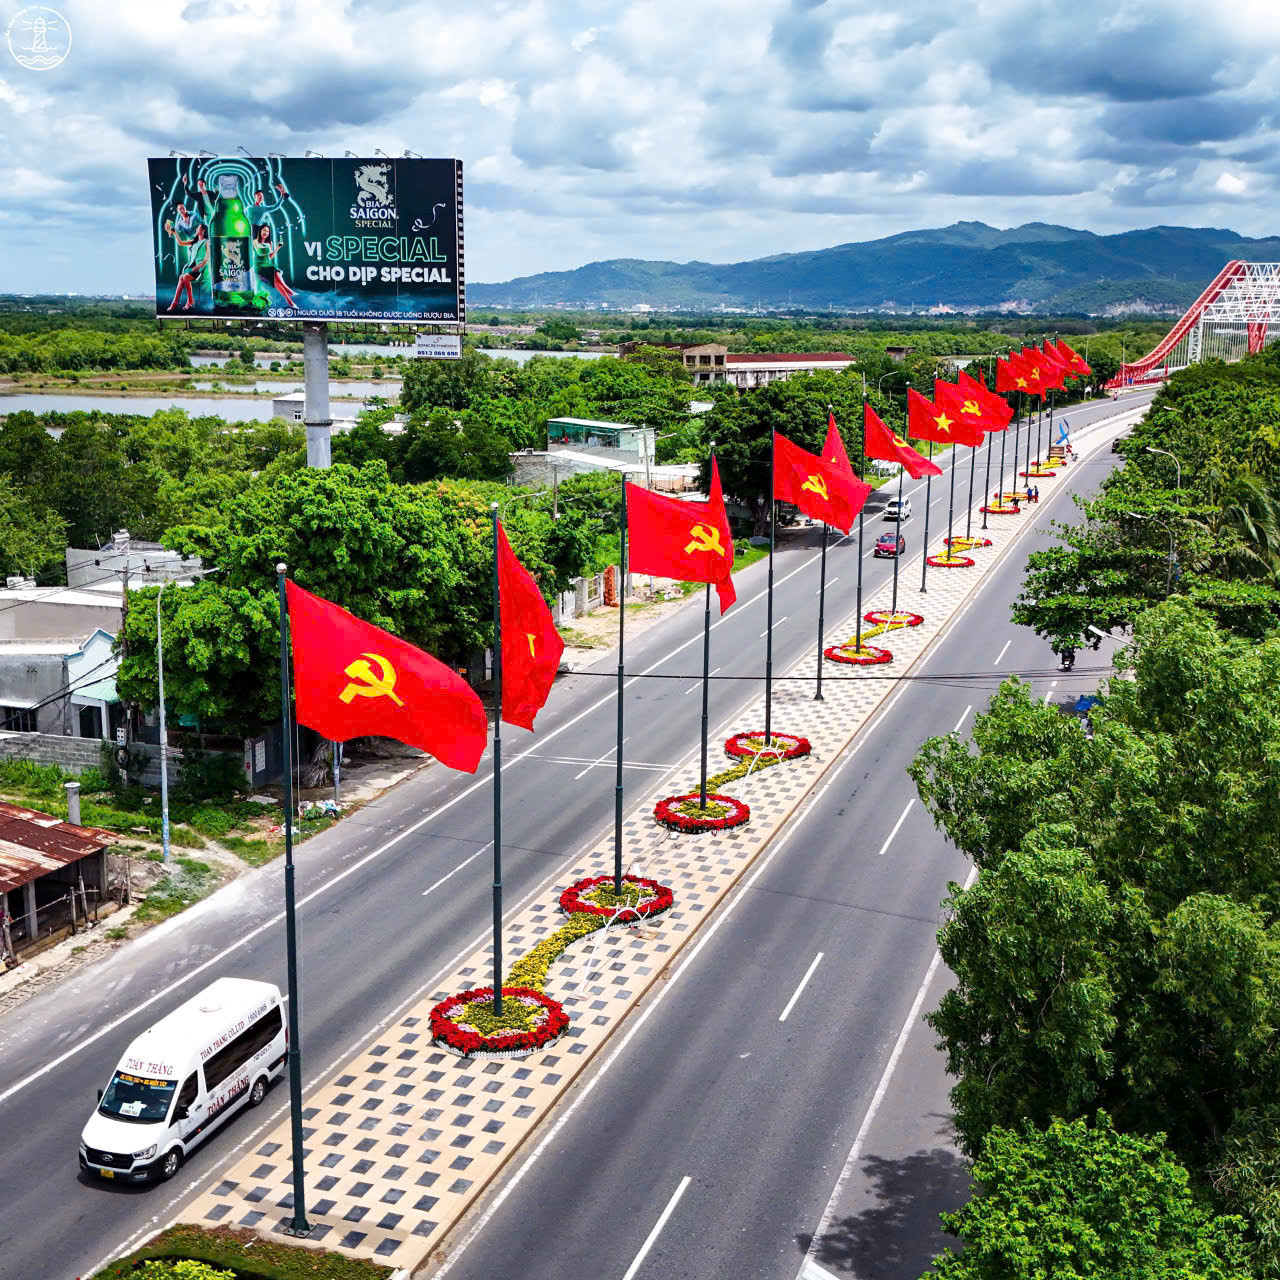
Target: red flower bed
[
  {"x": 793, "y": 745},
  {"x": 902, "y": 617},
  {"x": 668, "y": 812},
  {"x": 966, "y": 543},
  {"x": 869, "y": 657},
  {"x": 659, "y": 898},
  {"x": 951, "y": 562},
  {"x": 1036, "y": 475},
  {"x": 469, "y": 1042},
  {"x": 1001, "y": 511}
]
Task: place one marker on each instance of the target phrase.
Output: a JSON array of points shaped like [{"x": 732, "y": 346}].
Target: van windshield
[{"x": 139, "y": 1098}]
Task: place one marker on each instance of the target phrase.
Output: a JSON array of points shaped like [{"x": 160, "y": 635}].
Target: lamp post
[
  {"x": 1152, "y": 449},
  {"x": 1172, "y": 557},
  {"x": 882, "y": 377}
]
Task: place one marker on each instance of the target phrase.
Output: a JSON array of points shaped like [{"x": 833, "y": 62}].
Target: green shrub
[
  {"x": 36, "y": 779},
  {"x": 188, "y": 881},
  {"x": 181, "y": 1269},
  {"x": 209, "y": 775},
  {"x": 214, "y": 823},
  {"x": 93, "y": 780}
]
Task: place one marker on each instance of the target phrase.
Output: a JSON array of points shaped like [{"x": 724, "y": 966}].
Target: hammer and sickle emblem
[
  {"x": 705, "y": 537},
  {"x": 971, "y": 406},
  {"x": 899, "y": 441},
  {"x": 365, "y": 684},
  {"x": 533, "y": 652},
  {"x": 818, "y": 485}
]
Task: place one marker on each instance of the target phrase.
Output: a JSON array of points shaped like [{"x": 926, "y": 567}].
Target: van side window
[
  {"x": 187, "y": 1095},
  {"x": 236, "y": 1053}
]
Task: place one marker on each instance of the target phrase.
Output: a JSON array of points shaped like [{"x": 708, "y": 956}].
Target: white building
[{"x": 747, "y": 370}]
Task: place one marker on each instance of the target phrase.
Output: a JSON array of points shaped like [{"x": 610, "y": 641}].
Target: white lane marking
[
  {"x": 877, "y": 1099},
  {"x": 831, "y": 582},
  {"x": 638, "y": 1260},
  {"x": 897, "y": 826},
  {"x": 1002, "y": 652},
  {"x": 694, "y": 687},
  {"x": 448, "y": 875},
  {"x": 777, "y": 622},
  {"x": 1053, "y": 684},
  {"x": 602, "y": 759},
  {"x": 804, "y": 982},
  {"x": 964, "y": 715}
]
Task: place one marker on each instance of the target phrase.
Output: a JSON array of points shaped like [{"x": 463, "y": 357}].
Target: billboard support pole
[{"x": 315, "y": 369}]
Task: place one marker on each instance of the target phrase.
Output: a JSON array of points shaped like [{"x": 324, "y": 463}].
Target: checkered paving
[{"x": 406, "y": 1136}]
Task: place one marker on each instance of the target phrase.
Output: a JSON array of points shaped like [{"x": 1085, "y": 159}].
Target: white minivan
[{"x": 179, "y": 1080}]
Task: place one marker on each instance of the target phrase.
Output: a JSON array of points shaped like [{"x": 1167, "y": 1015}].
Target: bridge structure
[{"x": 1232, "y": 316}]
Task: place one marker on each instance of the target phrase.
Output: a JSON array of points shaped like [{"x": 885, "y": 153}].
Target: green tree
[
  {"x": 1078, "y": 1202},
  {"x": 32, "y": 537}
]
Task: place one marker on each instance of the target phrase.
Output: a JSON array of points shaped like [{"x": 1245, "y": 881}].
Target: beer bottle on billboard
[{"x": 232, "y": 248}]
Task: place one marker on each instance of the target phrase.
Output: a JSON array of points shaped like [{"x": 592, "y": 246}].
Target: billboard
[
  {"x": 439, "y": 346},
  {"x": 308, "y": 239}
]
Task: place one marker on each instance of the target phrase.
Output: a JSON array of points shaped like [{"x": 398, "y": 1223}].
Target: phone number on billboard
[{"x": 290, "y": 313}]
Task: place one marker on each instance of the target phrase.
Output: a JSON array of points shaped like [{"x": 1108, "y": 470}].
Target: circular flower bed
[
  {"x": 747, "y": 745},
  {"x": 900, "y": 619},
  {"x": 1033, "y": 474},
  {"x": 683, "y": 813},
  {"x": 867, "y": 656},
  {"x": 1001, "y": 511},
  {"x": 579, "y": 897},
  {"x": 965, "y": 544},
  {"x": 951, "y": 562},
  {"x": 466, "y": 1025}
]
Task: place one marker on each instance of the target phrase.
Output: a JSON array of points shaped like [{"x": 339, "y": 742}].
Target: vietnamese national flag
[
  {"x": 1034, "y": 370},
  {"x": 1009, "y": 375},
  {"x": 929, "y": 422},
  {"x": 833, "y": 450},
  {"x": 883, "y": 444},
  {"x": 1055, "y": 367},
  {"x": 531, "y": 645},
  {"x": 688, "y": 541},
  {"x": 997, "y": 408},
  {"x": 352, "y": 678},
  {"x": 967, "y": 411},
  {"x": 819, "y": 488}
]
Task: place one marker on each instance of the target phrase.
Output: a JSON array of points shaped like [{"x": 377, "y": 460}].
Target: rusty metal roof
[{"x": 32, "y": 844}]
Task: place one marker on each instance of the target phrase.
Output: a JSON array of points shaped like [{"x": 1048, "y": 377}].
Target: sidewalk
[{"x": 406, "y": 1136}]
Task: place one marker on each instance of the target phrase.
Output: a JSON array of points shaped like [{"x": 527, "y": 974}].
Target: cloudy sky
[{"x": 710, "y": 129}]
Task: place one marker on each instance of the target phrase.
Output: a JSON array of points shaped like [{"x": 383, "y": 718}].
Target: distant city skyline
[{"x": 720, "y": 132}]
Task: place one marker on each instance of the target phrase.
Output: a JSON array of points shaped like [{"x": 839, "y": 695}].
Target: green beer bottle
[{"x": 232, "y": 247}]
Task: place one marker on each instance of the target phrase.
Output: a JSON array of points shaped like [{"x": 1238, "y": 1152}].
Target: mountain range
[{"x": 965, "y": 265}]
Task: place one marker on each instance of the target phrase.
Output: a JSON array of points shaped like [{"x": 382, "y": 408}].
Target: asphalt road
[
  {"x": 392, "y": 897},
  {"x": 725, "y": 1120}
]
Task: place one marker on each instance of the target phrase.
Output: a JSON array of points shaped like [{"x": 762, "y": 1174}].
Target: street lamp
[
  {"x": 1168, "y": 576},
  {"x": 883, "y": 376},
  {"x": 1152, "y": 449}
]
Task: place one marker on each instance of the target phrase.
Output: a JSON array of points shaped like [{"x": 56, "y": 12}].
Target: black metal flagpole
[
  {"x": 706, "y": 684},
  {"x": 1017, "y": 429},
  {"x": 768, "y": 644},
  {"x": 497, "y": 776},
  {"x": 622, "y": 617},
  {"x": 299, "y": 1225},
  {"x": 896, "y": 557},
  {"x": 862, "y": 471},
  {"x": 822, "y": 597},
  {"x": 973, "y": 463},
  {"x": 951, "y": 502},
  {"x": 928, "y": 491}
]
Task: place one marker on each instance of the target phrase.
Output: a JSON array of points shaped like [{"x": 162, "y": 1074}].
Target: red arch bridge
[{"x": 1230, "y": 317}]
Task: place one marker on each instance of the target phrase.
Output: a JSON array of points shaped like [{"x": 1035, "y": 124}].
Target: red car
[{"x": 890, "y": 544}]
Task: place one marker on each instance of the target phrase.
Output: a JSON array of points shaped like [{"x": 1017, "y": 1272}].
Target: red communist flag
[
  {"x": 1033, "y": 369},
  {"x": 967, "y": 411},
  {"x": 888, "y": 447},
  {"x": 833, "y": 450},
  {"x": 531, "y": 645},
  {"x": 1054, "y": 366},
  {"x": 819, "y": 488},
  {"x": 352, "y": 679},
  {"x": 1075, "y": 362},
  {"x": 997, "y": 408},
  {"x": 688, "y": 541},
  {"x": 926, "y": 421},
  {"x": 1009, "y": 375}
]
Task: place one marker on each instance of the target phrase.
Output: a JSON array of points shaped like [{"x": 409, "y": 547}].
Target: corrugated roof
[{"x": 32, "y": 844}]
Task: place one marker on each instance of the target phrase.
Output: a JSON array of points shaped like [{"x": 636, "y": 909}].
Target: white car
[{"x": 898, "y": 509}]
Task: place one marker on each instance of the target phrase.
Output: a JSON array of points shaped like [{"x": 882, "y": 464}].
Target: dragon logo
[{"x": 375, "y": 204}]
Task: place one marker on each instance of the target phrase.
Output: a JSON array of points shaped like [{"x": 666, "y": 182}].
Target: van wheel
[
  {"x": 171, "y": 1163},
  {"x": 258, "y": 1092}
]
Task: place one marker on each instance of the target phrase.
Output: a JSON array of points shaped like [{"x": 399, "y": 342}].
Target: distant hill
[{"x": 967, "y": 264}]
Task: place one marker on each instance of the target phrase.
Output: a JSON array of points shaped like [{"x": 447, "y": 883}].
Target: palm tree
[{"x": 1243, "y": 523}]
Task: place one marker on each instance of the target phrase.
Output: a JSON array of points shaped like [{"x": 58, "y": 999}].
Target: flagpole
[
  {"x": 928, "y": 492},
  {"x": 862, "y": 475},
  {"x": 706, "y": 685},
  {"x": 299, "y": 1226},
  {"x": 768, "y": 644},
  {"x": 622, "y": 614},
  {"x": 897, "y": 528},
  {"x": 986, "y": 481},
  {"x": 1049, "y": 437},
  {"x": 822, "y": 595},
  {"x": 1017, "y": 429},
  {"x": 951, "y": 503},
  {"x": 497, "y": 776},
  {"x": 973, "y": 462}
]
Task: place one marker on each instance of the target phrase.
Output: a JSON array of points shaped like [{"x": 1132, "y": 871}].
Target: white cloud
[{"x": 1230, "y": 185}]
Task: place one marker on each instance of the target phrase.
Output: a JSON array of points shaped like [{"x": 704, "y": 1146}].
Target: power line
[{"x": 65, "y": 692}]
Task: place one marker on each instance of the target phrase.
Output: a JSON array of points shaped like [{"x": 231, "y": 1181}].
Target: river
[{"x": 263, "y": 360}]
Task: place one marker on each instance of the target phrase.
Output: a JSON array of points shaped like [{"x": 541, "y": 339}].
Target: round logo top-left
[{"x": 39, "y": 38}]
